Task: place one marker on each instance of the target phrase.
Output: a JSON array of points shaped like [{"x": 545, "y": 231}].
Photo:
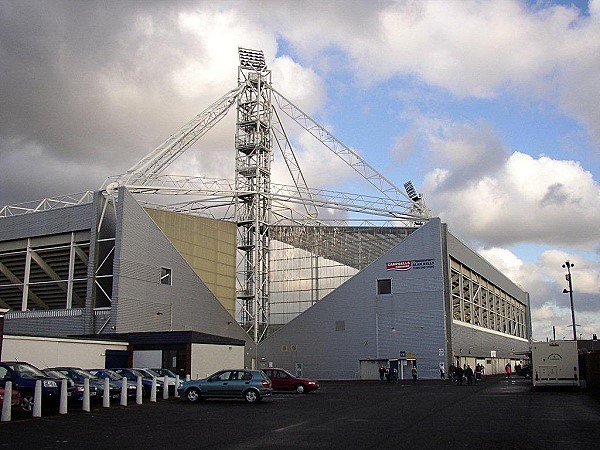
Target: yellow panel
[{"x": 208, "y": 246}]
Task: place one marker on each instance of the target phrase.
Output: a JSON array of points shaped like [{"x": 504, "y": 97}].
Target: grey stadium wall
[{"x": 140, "y": 301}]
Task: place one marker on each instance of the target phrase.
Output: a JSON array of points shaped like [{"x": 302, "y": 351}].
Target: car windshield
[
  {"x": 28, "y": 371},
  {"x": 153, "y": 373},
  {"x": 84, "y": 374},
  {"x": 112, "y": 375},
  {"x": 56, "y": 374},
  {"x": 164, "y": 372},
  {"x": 140, "y": 373}
]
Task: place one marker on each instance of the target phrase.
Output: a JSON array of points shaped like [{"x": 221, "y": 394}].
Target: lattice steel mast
[{"x": 252, "y": 185}]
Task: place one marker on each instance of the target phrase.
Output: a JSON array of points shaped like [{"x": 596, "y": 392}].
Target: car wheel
[
  {"x": 192, "y": 394},
  {"x": 27, "y": 402},
  {"x": 251, "y": 396},
  {"x": 300, "y": 389}
]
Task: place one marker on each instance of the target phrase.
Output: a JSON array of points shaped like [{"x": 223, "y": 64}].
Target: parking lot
[{"x": 495, "y": 414}]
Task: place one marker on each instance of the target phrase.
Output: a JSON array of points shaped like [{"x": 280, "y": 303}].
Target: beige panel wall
[
  {"x": 208, "y": 246},
  {"x": 208, "y": 358},
  {"x": 52, "y": 352}
]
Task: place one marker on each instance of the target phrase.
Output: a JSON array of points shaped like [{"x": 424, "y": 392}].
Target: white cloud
[
  {"x": 469, "y": 48},
  {"x": 523, "y": 200},
  {"x": 544, "y": 279}
]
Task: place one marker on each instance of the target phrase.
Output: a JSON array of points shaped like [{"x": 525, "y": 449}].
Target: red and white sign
[
  {"x": 399, "y": 265},
  {"x": 408, "y": 265}
]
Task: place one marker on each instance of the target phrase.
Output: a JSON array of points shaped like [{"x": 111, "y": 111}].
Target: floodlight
[
  {"x": 411, "y": 191},
  {"x": 252, "y": 59}
]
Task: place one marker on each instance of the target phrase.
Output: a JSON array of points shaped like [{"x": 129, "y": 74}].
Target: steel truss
[{"x": 251, "y": 199}]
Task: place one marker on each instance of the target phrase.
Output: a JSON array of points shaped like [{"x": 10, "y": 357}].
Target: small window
[
  {"x": 165, "y": 276},
  {"x": 384, "y": 286}
]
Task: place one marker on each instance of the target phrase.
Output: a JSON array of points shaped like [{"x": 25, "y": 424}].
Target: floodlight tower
[{"x": 253, "y": 146}]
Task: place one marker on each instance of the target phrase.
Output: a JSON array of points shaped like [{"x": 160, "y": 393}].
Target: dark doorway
[
  {"x": 116, "y": 358},
  {"x": 174, "y": 359}
]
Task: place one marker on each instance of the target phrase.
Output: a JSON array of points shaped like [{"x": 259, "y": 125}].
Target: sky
[{"x": 491, "y": 108}]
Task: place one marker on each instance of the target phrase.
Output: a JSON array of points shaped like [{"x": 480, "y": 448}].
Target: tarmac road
[{"x": 433, "y": 414}]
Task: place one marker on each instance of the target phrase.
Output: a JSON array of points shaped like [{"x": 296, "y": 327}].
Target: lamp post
[{"x": 567, "y": 265}]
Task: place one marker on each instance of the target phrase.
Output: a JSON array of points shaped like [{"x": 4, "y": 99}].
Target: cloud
[
  {"x": 505, "y": 199},
  {"x": 544, "y": 279},
  {"x": 94, "y": 88},
  {"x": 471, "y": 49}
]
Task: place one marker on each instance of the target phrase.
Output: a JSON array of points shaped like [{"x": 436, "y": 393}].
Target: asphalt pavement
[{"x": 432, "y": 414}]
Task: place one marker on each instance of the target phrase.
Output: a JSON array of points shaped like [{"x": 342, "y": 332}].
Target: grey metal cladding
[
  {"x": 46, "y": 324},
  {"x": 42, "y": 223},
  {"x": 411, "y": 318},
  {"x": 140, "y": 301}
]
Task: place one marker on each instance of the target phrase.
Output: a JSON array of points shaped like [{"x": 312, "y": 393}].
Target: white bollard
[
  {"x": 153, "y": 390},
  {"x": 62, "y": 407},
  {"x": 176, "y": 386},
  {"x": 37, "y": 399},
  {"x": 124, "y": 386},
  {"x": 86, "y": 395},
  {"x": 7, "y": 404},
  {"x": 139, "y": 392},
  {"x": 165, "y": 387},
  {"x": 106, "y": 394}
]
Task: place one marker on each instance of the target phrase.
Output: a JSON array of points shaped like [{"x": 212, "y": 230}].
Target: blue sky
[{"x": 492, "y": 108}]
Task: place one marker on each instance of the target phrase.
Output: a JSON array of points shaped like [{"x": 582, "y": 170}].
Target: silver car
[{"x": 251, "y": 385}]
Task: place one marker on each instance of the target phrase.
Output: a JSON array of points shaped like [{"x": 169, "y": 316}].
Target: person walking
[
  {"x": 459, "y": 372},
  {"x": 414, "y": 374},
  {"x": 381, "y": 372},
  {"x": 452, "y": 372},
  {"x": 469, "y": 375},
  {"x": 478, "y": 369},
  {"x": 508, "y": 370},
  {"x": 442, "y": 374}
]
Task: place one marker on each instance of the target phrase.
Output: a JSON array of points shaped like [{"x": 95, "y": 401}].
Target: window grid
[{"x": 479, "y": 302}]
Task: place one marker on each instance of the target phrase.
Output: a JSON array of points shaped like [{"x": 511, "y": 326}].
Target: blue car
[
  {"x": 132, "y": 374},
  {"x": 116, "y": 380},
  {"x": 96, "y": 385},
  {"x": 24, "y": 377},
  {"x": 251, "y": 385}
]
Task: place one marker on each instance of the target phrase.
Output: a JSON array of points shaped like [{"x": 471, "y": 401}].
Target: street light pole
[{"x": 567, "y": 265}]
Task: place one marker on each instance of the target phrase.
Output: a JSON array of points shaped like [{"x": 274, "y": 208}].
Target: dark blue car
[
  {"x": 24, "y": 377},
  {"x": 132, "y": 374}
]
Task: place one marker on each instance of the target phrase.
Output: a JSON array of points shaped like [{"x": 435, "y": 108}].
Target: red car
[
  {"x": 284, "y": 381},
  {"x": 16, "y": 397}
]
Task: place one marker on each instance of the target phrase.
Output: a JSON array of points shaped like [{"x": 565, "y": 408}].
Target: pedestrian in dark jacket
[
  {"x": 469, "y": 375},
  {"x": 459, "y": 375}
]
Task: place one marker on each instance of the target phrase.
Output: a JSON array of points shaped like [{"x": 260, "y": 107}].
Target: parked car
[
  {"x": 16, "y": 397},
  {"x": 73, "y": 391},
  {"x": 24, "y": 377},
  {"x": 116, "y": 379},
  {"x": 160, "y": 374},
  {"x": 284, "y": 381},
  {"x": 132, "y": 374},
  {"x": 164, "y": 372},
  {"x": 96, "y": 385},
  {"x": 251, "y": 385}
]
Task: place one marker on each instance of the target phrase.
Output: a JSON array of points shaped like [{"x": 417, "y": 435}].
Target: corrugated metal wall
[
  {"x": 354, "y": 322},
  {"x": 140, "y": 301}
]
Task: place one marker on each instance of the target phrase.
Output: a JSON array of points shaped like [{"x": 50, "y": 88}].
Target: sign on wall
[{"x": 411, "y": 264}]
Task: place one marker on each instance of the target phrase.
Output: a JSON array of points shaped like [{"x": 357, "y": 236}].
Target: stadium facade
[{"x": 107, "y": 266}]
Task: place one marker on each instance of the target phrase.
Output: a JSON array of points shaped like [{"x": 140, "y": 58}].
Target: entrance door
[{"x": 116, "y": 358}]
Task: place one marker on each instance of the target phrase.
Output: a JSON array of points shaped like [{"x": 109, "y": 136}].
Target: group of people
[
  {"x": 392, "y": 376},
  {"x": 460, "y": 374}
]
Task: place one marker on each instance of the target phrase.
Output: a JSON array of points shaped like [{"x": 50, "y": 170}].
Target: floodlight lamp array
[{"x": 252, "y": 59}]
